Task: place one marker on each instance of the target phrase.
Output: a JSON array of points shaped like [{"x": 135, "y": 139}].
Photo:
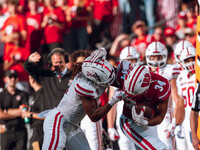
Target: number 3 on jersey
[{"x": 160, "y": 86}]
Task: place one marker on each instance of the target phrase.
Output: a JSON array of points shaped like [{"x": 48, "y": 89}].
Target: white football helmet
[
  {"x": 130, "y": 52},
  {"x": 180, "y": 46},
  {"x": 137, "y": 81},
  {"x": 187, "y": 53},
  {"x": 156, "y": 48},
  {"x": 101, "y": 72}
]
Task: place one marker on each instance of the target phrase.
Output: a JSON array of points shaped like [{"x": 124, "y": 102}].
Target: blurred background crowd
[
  {"x": 81, "y": 26},
  {"x": 34, "y": 25}
]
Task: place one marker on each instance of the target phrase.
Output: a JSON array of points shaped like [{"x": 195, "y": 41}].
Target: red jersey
[
  {"x": 34, "y": 31},
  {"x": 102, "y": 9},
  {"x": 20, "y": 54},
  {"x": 76, "y": 11},
  {"x": 159, "y": 89},
  {"x": 14, "y": 24},
  {"x": 52, "y": 33},
  {"x": 152, "y": 39}
]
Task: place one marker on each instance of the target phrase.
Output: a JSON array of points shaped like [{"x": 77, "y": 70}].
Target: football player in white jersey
[
  {"x": 156, "y": 58},
  {"x": 92, "y": 130},
  {"x": 61, "y": 125},
  {"x": 130, "y": 54},
  {"x": 181, "y": 45},
  {"x": 181, "y": 143},
  {"x": 186, "y": 87}
]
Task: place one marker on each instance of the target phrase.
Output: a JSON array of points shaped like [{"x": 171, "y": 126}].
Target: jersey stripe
[
  {"x": 58, "y": 131},
  {"x": 85, "y": 90},
  {"x": 139, "y": 139},
  {"x": 137, "y": 78},
  {"x": 54, "y": 131},
  {"x": 133, "y": 78},
  {"x": 101, "y": 65},
  {"x": 82, "y": 94},
  {"x": 128, "y": 132}
]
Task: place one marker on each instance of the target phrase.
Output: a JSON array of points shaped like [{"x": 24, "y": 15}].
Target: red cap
[
  {"x": 182, "y": 15},
  {"x": 169, "y": 31}
]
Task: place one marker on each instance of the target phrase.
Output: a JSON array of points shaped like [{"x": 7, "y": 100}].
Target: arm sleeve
[
  {"x": 84, "y": 89},
  {"x": 35, "y": 71}
]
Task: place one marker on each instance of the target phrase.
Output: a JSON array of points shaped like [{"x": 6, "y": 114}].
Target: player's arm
[
  {"x": 95, "y": 113},
  {"x": 112, "y": 113},
  {"x": 194, "y": 124},
  {"x": 160, "y": 111},
  {"x": 180, "y": 113}
]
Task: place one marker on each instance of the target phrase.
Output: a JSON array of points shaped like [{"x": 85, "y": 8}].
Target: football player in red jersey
[{"x": 142, "y": 85}]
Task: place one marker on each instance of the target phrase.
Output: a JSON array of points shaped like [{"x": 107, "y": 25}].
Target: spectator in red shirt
[
  {"x": 34, "y": 30},
  {"x": 53, "y": 24},
  {"x": 23, "y": 6},
  {"x": 67, "y": 24},
  {"x": 14, "y": 35},
  {"x": 80, "y": 13},
  {"x": 142, "y": 39},
  {"x": 104, "y": 12}
]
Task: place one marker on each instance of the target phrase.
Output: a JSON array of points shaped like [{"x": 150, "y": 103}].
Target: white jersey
[
  {"x": 71, "y": 105},
  {"x": 170, "y": 71},
  {"x": 186, "y": 88}
]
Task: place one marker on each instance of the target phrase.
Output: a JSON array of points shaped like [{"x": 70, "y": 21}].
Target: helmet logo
[
  {"x": 90, "y": 74},
  {"x": 146, "y": 80},
  {"x": 93, "y": 76}
]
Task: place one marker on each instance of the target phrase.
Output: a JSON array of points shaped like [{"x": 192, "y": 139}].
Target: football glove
[
  {"x": 170, "y": 129},
  {"x": 178, "y": 131},
  {"x": 97, "y": 54},
  {"x": 117, "y": 96},
  {"x": 139, "y": 119},
  {"x": 113, "y": 134}
]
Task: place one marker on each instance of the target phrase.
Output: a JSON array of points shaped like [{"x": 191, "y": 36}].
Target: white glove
[
  {"x": 140, "y": 120},
  {"x": 178, "y": 131},
  {"x": 100, "y": 53},
  {"x": 170, "y": 129},
  {"x": 113, "y": 134},
  {"x": 117, "y": 96}
]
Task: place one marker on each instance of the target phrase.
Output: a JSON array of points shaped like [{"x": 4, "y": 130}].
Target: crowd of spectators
[{"x": 35, "y": 27}]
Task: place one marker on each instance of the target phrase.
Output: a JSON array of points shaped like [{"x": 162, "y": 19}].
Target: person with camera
[{"x": 55, "y": 80}]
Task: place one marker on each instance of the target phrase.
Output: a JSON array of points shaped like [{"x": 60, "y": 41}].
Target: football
[{"x": 147, "y": 108}]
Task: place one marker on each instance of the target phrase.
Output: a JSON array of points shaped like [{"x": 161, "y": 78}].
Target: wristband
[{"x": 111, "y": 102}]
